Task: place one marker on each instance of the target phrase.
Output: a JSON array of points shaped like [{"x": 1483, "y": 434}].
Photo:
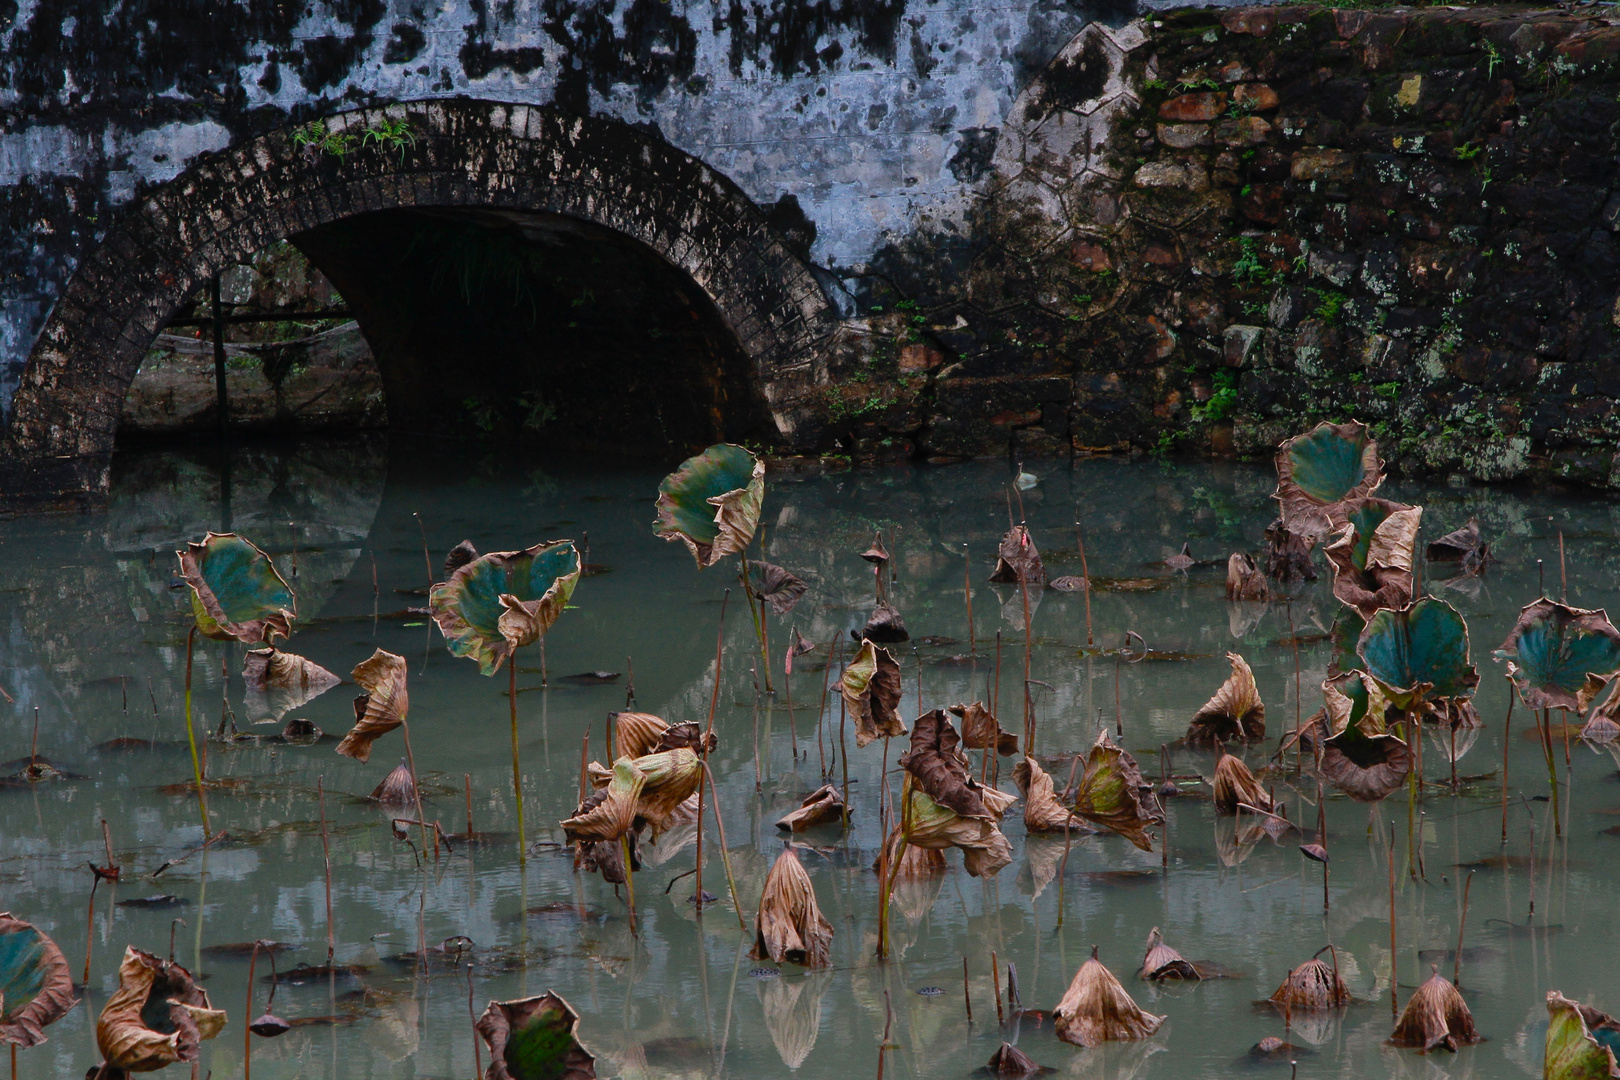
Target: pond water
[{"x": 92, "y": 635}]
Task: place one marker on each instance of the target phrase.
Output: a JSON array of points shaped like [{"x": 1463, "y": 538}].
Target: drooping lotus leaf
[
  {"x": 607, "y": 814},
  {"x": 1560, "y": 655},
  {"x": 669, "y": 779},
  {"x": 1360, "y": 757},
  {"x": 1011, "y": 1063},
  {"x": 799, "y": 646},
  {"x": 1234, "y": 714},
  {"x": 790, "y": 925},
  {"x": 936, "y": 762},
  {"x": 1312, "y": 986},
  {"x": 1162, "y": 962},
  {"x": 1288, "y": 554},
  {"x": 1018, "y": 558},
  {"x": 1462, "y": 546},
  {"x": 459, "y": 556},
  {"x": 1244, "y": 581},
  {"x": 36, "y": 987},
  {"x": 871, "y": 689},
  {"x": 935, "y": 767},
  {"x": 382, "y": 708},
  {"x": 1236, "y": 787},
  {"x": 396, "y": 790},
  {"x": 712, "y": 502},
  {"x": 1096, "y": 1009},
  {"x": 1372, "y": 556},
  {"x": 779, "y": 588},
  {"x": 886, "y": 626},
  {"x": 1435, "y": 1016},
  {"x": 158, "y": 1016},
  {"x": 236, "y": 593},
  {"x": 505, "y": 600},
  {"x": 1573, "y": 1051},
  {"x": 1425, "y": 644},
  {"x": 534, "y": 1038},
  {"x": 877, "y": 554},
  {"x": 981, "y": 730},
  {"x": 1181, "y": 560},
  {"x": 1043, "y": 810},
  {"x": 1319, "y": 471},
  {"x": 1113, "y": 794},
  {"x": 637, "y": 733},
  {"x": 278, "y": 682},
  {"x": 820, "y": 807}
]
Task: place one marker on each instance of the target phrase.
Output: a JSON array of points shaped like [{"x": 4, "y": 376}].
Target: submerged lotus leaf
[
  {"x": 1573, "y": 1051},
  {"x": 36, "y": 987},
  {"x": 505, "y": 600},
  {"x": 609, "y": 813},
  {"x": 1113, "y": 793},
  {"x": 158, "y": 1016},
  {"x": 1425, "y": 644},
  {"x": 871, "y": 689},
  {"x": 1096, "y": 1009},
  {"x": 383, "y": 706},
  {"x": 534, "y": 1038},
  {"x": 1435, "y": 1016},
  {"x": 1319, "y": 471},
  {"x": 712, "y": 502},
  {"x": 1043, "y": 810},
  {"x": 981, "y": 730},
  {"x": 1561, "y": 655},
  {"x": 1017, "y": 558},
  {"x": 1234, "y": 714},
  {"x": 1372, "y": 556},
  {"x": 779, "y": 588},
  {"x": 1163, "y": 962},
  {"x": 790, "y": 926},
  {"x": 236, "y": 593},
  {"x": 1236, "y": 787},
  {"x": 1312, "y": 986}
]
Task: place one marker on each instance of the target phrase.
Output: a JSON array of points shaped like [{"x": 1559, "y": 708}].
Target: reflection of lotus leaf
[
  {"x": 505, "y": 600},
  {"x": 236, "y": 593},
  {"x": 712, "y": 502},
  {"x": 1560, "y": 654},
  {"x": 36, "y": 989},
  {"x": 1426, "y": 643}
]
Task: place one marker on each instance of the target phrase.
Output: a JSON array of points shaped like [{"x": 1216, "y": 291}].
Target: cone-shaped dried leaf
[
  {"x": 1043, "y": 811},
  {"x": 158, "y": 1016},
  {"x": 1288, "y": 554},
  {"x": 534, "y": 1038},
  {"x": 1013, "y": 1063},
  {"x": 1096, "y": 1009},
  {"x": 877, "y": 553},
  {"x": 382, "y": 708},
  {"x": 1425, "y": 644},
  {"x": 799, "y": 646},
  {"x": 712, "y": 502},
  {"x": 871, "y": 689},
  {"x": 669, "y": 778},
  {"x": 36, "y": 987},
  {"x": 820, "y": 807},
  {"x": 1372, "y": 556},
  {"x": 1435, "y": 1015},
  {"x": 981, "y": 730},
  {"x": 1244, "y": 581},
  {"x": 637, "y": 733},
  {"x": 1017, "y": 557},
  {"x": 779, "y": 588},
  {"x": 397, "y": 788},
  {"x": 608, "y": 814},
  {"x": 1234, "y": 714},
  {"x": 1573, "y": 1052},
  {"x": 886, "y": 626},
  {"x": 790, "y": 927},
  {"x": 1113, "y": 794},
  {"x": 1321, "y": 470},
  {"x": 1182, "y": 559},
  {"x": 504, "y": 600},
  {"x": 1163, "y": 962},
  {"x": 269, "y": 1026},
  {"x": 236, "y": 593},
  {"x": 459, "y": 556},
  {"x": 1561, "y": 654},
  {"x": 1312, "y": 986},
  {"x": 1235, "y": 784}
]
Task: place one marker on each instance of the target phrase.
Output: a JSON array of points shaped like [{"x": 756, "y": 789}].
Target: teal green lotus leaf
[
  {"x": 1579, "y": 1042},
  {"x": 505, "y": 600},
  {"x": 1426, "y": 642},
  {"x": 36, "y": 988},
  {"x": 1561, "y": 655},
  {"x": 535, "y": 1039},
  {"x": 236, "y": 592},
  {"x": 1322, "y": 469},
  {"x": 712, "y": 502}
]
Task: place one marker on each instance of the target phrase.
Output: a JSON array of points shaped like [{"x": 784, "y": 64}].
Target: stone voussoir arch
[{"x": 466, "y": 153}]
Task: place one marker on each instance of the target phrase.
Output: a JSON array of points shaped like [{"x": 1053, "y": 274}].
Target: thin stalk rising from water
[
  {"x": 191, "y": 737},
  {"x": 703, "y": 754}
]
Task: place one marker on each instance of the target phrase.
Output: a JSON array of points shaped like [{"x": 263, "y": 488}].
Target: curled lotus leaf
[
  {"x": 669, "y": 779},
  {"x": 1312, "y": 986},
  {"x": 712, "y": 502},
  {"x": 1096, "y": 1009},
  {"x": 397, "y": 789},
  {"x": 1321, "y": 470},
  {"x": 607, "y": 814},
  {"x": 1423, "y": 645},
  {"x": 534, "y": 1038},
  {"x": 1018, "y": 559},
  {"x": 790, "y": 926},
  {"x": 1163, "y": 962},
  {"x": 1372, "y": 555},
  {"x": 820, "y": 807},
  {"x": 382, "y": 708},
  {"x": 877, "y": 554},
  {"x": 937, "y": 765},
  {"x": 1114, "y": 795},
  {"x": 459, "y": 556},
  {"x": 500, "y": 602},
  {"x": 1561, "y": 655},
  {"x": 1043, "y": 810},
  {"x": 1234, "y": 714},
  {"x": 637, "y": 733},
  {"x": 1236, "y": 788},
  {"x": 1435, "y": 1016},
  {"x": 1360, "y": 758},
  {"x": 981, "y": 730},
  {"x": 158, "y": 1016},
  {"x": 1462, "y": 546},
  {"x": 36, "y": 987},
  {"x": 927, "y": 824},
  {"x": 779, "y": 588},
  {"x": 236, "y": 592},
  {"x": 1573, "y": 1049},
  {"x": 871, "y": 689},
  {"x": 1288, "y": 554},
  {"x": 1244, "y": 581},
  {"x": 886, "y": 626},
  {"x": 278, "y": 682}
]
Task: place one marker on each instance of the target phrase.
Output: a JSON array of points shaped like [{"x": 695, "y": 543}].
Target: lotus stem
[
  {"x": 427, "y": 562},
  {"x": 191, "y": 737},
  {"x": 888, "y": 1020},
  {"x": 1063, "y": 867},
  {"x": 1394, "y": 1009},
  {"x": 725, "y": 855},
  {"x": 759, "y": 623},
  {"x": 517, "y": 776},
  {"x": 478, "y": 1056},
  {"x": 247, "y": 1018},
  {"x": 90, "y": 928},
  {"x": 967, "y": 998},
  {"x": 967, "y": 597},
  {"x": 1462, "y": 925},
  {"x": 889, "y": 862},
  {"x": 758, "y": 785},
  {"x": 995, "y": 978},
  {"x": 703, "y": 754},
  {"x": 1552, "y": 772},
  {"x": 1563, "y": 576},
  {"x": 843, "y": 754},
  {"x": 826, "y": 672},
  {"x": 1029, "y": 708},
  {"x": 629, "y": 881},
  {"x": 410, "y": 760}
]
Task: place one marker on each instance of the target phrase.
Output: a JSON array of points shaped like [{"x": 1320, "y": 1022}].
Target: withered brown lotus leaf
[
  {"x": 1163, "y": 962},
  {"x": 1435, "y": 1016},
  {"x": 459, "y": 556},
  {"x": 606, "y": 857},
  {"x": 1017, "y": 558},
  {"x": 790, "y": 926},
  {"x": 1373, "y": 554},
  {"x": 1244, "y": 581},
  {"x": 981, "y": 729},
  {"x": 1043, "y": 811},
  {"x": 382, "y": 708},
  {"x": 886, "y": 626},
  {"x": 1288, "y": 554},
  {"x": 779, "y": 588},
  {"x": 1182, "y": 560},
  {"x": 236, "y": 592},
  {"x": 1365, "y": 767},
  {"x": 1114, "y": 795},
  {"x": 669, "y": 779},
  {"x": 36, "y": 987},
  {"x": 1572, "y": 1050},
  {"x": 272, "y": 669},
  {"x": 943, "y": 806},
  {"x": 608, "y": 814},
  {"x": 1013, "y": 1063},
  {"x": 1321, "y": 470},
  {"x": 1096, "y": 1009},
  {"x": 1235, "y": 784},
  {"x": 158, "y": 1016},
  {"x": 1461, "y": 546},
  {"x": 935, "y": 761},
  {"x": 535, "y": 1038},
  {"x": 877, "y": 553},
  {"x": 871, "y": 689},
  {"x": 396, "y": 789},
  {"x": 1312, "y": 986},
  {"x": 1234, "y": 714},
  {"x": 637, "y": 733},
  {"x": 820, "y": 807},
  {"x": 688, "y": 735}
]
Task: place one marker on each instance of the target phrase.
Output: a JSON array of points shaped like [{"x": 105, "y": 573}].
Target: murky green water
[{"x": 92, "y": 633}]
